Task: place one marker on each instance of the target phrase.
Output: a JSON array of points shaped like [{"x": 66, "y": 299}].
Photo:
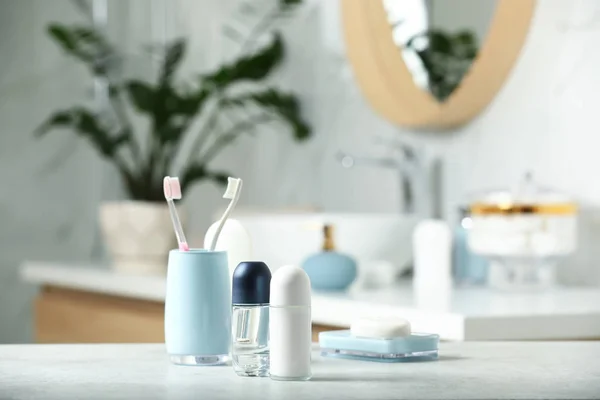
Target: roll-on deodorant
[
  {"x": 290, "y": 325},
  {"x": 250, "y": 319}
]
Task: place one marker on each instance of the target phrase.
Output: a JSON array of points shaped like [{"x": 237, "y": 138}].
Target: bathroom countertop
[
  {"x": 480, "y": 370},
  {"x": 462, "y": 314}
]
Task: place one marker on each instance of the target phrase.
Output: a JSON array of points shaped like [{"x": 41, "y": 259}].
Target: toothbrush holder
[{"x": 198, "y": 307}]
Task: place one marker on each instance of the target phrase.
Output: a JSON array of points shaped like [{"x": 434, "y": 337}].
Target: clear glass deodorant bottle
[{"x": 250, "y": 319}]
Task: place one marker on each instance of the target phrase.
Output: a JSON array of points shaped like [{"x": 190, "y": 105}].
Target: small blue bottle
[
  {"x": 469, "y": 269},
  {"x": 330, "y": 270}
]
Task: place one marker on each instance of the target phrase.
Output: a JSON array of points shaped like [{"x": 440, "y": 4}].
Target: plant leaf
[
  {"x": 142, "y": 95},
  {"x": 124, "y": 137},
  {"x": 176, "y": 111},
  {"x": 63, "y": 36},
  {"x": 193, "y": 172},
  {"x": 82, "y": 42},
  {"x": 163, "y": 105},
  {"x": 165, "y": 108},
  {"x": 56, "y": 120},
  {"x": 174, "y": 55},
  {"x": 87, "y": 125},
  {"x": 171, "y": 132},
  {"x": 85, "y": 44},
  {"x": 284, "y": 4},
  {"x": 197, "y": 172},
  {"x": 190, "y": 104},
  {"x": 439, "y": 42},
  {"x": 285, "y": 105},
  {"x": 253, "y": 67},
  {"x": 221, "y": 178},
  {"x": 89, "y": 36},
  {"x": 466, "y": 37}
]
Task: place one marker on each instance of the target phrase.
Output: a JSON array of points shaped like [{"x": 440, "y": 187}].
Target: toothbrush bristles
[
  {"x": 172, "y": 190},
  {"x": 232, "y": 187}
]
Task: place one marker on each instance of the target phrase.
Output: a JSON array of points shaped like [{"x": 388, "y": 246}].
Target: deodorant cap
[
  {"x": 290, "y": 286},
  {"x": 251, "y": 283}
]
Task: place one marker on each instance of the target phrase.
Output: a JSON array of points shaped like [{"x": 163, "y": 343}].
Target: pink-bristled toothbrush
[{"x": 172, "y": 190}]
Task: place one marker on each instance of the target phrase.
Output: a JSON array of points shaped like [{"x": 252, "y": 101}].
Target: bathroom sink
[{"x": 281, "y": 239}]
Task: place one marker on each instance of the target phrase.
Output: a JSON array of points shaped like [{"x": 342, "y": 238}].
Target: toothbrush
[
  {"x": 172, "y": 191},
  {"x": 234, "y": 187}
]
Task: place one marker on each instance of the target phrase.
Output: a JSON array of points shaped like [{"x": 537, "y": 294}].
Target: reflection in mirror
[{"x": 439, "y": 39}]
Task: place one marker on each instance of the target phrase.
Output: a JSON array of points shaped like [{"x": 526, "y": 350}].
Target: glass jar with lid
[{"x": 524, "y": 233}]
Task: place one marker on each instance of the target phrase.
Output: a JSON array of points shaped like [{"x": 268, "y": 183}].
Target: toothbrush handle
[
  {"x": 177, "y": 227},
  {"x": 224, "y": 218}
]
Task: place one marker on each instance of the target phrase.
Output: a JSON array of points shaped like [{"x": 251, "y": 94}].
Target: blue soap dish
[{"x": 415, "y": 347}]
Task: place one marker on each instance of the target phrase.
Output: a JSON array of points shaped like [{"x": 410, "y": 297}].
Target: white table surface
[
  {"x": 476, "y": 370},
  {"x": 463, "y": 314}
]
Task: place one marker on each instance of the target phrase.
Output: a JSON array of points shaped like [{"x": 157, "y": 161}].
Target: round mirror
[{"x": 433, "y": 63}]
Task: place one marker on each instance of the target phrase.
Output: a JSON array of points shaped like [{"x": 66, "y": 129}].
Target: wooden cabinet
[{"x": 71, "y": 316}]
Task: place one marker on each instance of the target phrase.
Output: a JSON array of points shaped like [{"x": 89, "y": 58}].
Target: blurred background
[{"x": 368, "y": 116}]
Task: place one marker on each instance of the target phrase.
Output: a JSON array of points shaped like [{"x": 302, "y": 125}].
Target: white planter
[{"x": 138, "y": 236}]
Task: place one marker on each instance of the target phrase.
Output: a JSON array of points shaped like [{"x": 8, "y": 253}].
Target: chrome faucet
[{"x": 419, "y": 178}]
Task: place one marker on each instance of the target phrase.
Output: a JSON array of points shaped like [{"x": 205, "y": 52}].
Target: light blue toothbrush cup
[{"x": 198, "y": 307}]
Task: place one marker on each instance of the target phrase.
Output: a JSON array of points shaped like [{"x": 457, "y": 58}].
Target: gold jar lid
[{"x": 514, "y": 208}]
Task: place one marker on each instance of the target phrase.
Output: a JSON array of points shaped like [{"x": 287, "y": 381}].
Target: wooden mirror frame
[{"x": 388, "y": 84}]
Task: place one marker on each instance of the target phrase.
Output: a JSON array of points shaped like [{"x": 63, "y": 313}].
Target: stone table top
[{"x": 468, "y": 370}]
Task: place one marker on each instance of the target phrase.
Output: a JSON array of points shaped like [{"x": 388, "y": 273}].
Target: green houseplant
[
  {"x": 208, "y": 113},
  {"x": 447, "y": 58},
  {"x": 173, "y": 109}
]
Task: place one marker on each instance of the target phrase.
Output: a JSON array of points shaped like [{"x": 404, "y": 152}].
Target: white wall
[
  {"x": 48, "y": 195},
  {"x": 544, "y": 119}
]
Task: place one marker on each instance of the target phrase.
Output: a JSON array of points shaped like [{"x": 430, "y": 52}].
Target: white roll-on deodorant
[{"x": 290, "y": 337}]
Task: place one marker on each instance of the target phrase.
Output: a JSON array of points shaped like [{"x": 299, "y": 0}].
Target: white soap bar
[{"x": 380, "y": 328}]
